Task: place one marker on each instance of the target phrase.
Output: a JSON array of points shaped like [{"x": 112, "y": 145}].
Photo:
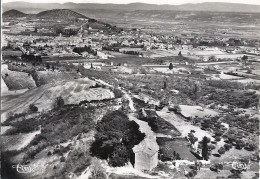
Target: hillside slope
[
  {"x": 60, "y": 13},
  {"x": 13, "y": 13}
]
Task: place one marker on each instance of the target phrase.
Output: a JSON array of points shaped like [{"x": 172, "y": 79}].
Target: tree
[
  {"x": 212, "y": 58},
  {"x": 178, "y": 156},
  {"x": 177, "y": 109},
  {"x": 33, "y": 108},
  {"x": 97, "y": 170},
  {"x": 164, "y": 85},
  {"x": 247, "y": 103},
  {"x": 245, "y": 57},
  {"x": 205, "y": 153},
  {"x": 115, "y": 138},
  {"x": 222, "y": 150},
  {"x": 249, "y": 71},
  {"x": 48, "y": 66},
  {"x": 227, "y": 146},
  {"x": 62, "y": 159},
  {"x": 117, "y": 92},
  {"x": 170, "y": 66},
  {"x": 59, "y": 102}
]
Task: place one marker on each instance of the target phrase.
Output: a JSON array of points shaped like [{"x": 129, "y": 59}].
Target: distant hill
[
  {"x": 13, "y": 14},
  {"x": 60, "y": 14},
  {"x": 207, "y": 6}
]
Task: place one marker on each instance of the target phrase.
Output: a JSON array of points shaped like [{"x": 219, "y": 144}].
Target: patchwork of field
[
  {"x": 183, "y": 126},
  {"x": 73, "y": 92},
  {"x": 11, "y": 53},
  {"x": 179, "y": 145},
  {"x": 191, "y": 53},
  {"x": 192, "y": 111},
  {"x": 45, "y": 77},
  {"x": 223, "y": 76}
]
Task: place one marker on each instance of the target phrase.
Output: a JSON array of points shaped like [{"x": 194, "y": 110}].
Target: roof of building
[{"x": 148, "y": 146}]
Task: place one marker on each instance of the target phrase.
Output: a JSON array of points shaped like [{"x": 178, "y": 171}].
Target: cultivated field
[
  {"x": 45, "y": 77},
  {"x": 73, "y": 92},
  {"x": 192, "y": 111},
  {"x": 17, "y": 142}
]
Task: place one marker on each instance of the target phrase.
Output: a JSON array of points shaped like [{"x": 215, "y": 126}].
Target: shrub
[
  {"x": 9, "y": 115},
  {"x": 227, "y": 146},
  {"x": 212, "y": 147},
  {"x": 58, "y": 103},
  {"x": 97, "y": 170},
  {"x": 33, "y": 108},
  {"x": 118, "y": 93},
  {"x": 62, "y": 159},
  {"x": 217, "y": 139},
  {"x": 192, "y": 173},
  {"x": 177, "y": 109},
  {"x": 251, "y": 147},
  {"x": 222, "y": 150},
  {"x": 170, "y": 66}
]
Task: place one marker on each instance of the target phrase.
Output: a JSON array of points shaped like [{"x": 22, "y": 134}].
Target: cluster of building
[{"x": 135, "y": 42}]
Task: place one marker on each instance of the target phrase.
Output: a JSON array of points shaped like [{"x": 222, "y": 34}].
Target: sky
[{"x": 172, "y": 2}]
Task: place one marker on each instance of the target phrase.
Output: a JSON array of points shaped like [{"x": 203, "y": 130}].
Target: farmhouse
[{"x": 146, "y": 154}]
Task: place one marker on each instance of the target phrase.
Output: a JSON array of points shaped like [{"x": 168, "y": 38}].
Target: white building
[{"x": 146, "y": 154}]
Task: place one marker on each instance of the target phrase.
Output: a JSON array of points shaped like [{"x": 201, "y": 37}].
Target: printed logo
[
  {"x": 238, "y": 165},
  {"x": 23, "y": 168}
]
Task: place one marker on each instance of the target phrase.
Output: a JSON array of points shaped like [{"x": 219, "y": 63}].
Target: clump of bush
[
  {"x": 216, "y": 167},
  {"x": 58, "y": 103},
  {"x": 117, "y": 92},
  {"x": 115, "y": 138},
  {"x": 221, "y": 150},
  {"x": 192, "y": 138},
  {"x": 33, "y": 108},
  {"x": 62, "y": 159}
]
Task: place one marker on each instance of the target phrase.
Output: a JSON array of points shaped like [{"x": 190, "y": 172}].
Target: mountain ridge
[
  {"x": 53, "y": 13},
  {"x": 206, "y": 6}
]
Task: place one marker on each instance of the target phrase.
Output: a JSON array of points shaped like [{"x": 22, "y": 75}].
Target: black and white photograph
[{"x": 130, "y": 89}]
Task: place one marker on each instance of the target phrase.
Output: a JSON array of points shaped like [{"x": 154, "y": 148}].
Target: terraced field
[
  {"x": 73, "y": 92},
  {"x": 45, "y": 77}
]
